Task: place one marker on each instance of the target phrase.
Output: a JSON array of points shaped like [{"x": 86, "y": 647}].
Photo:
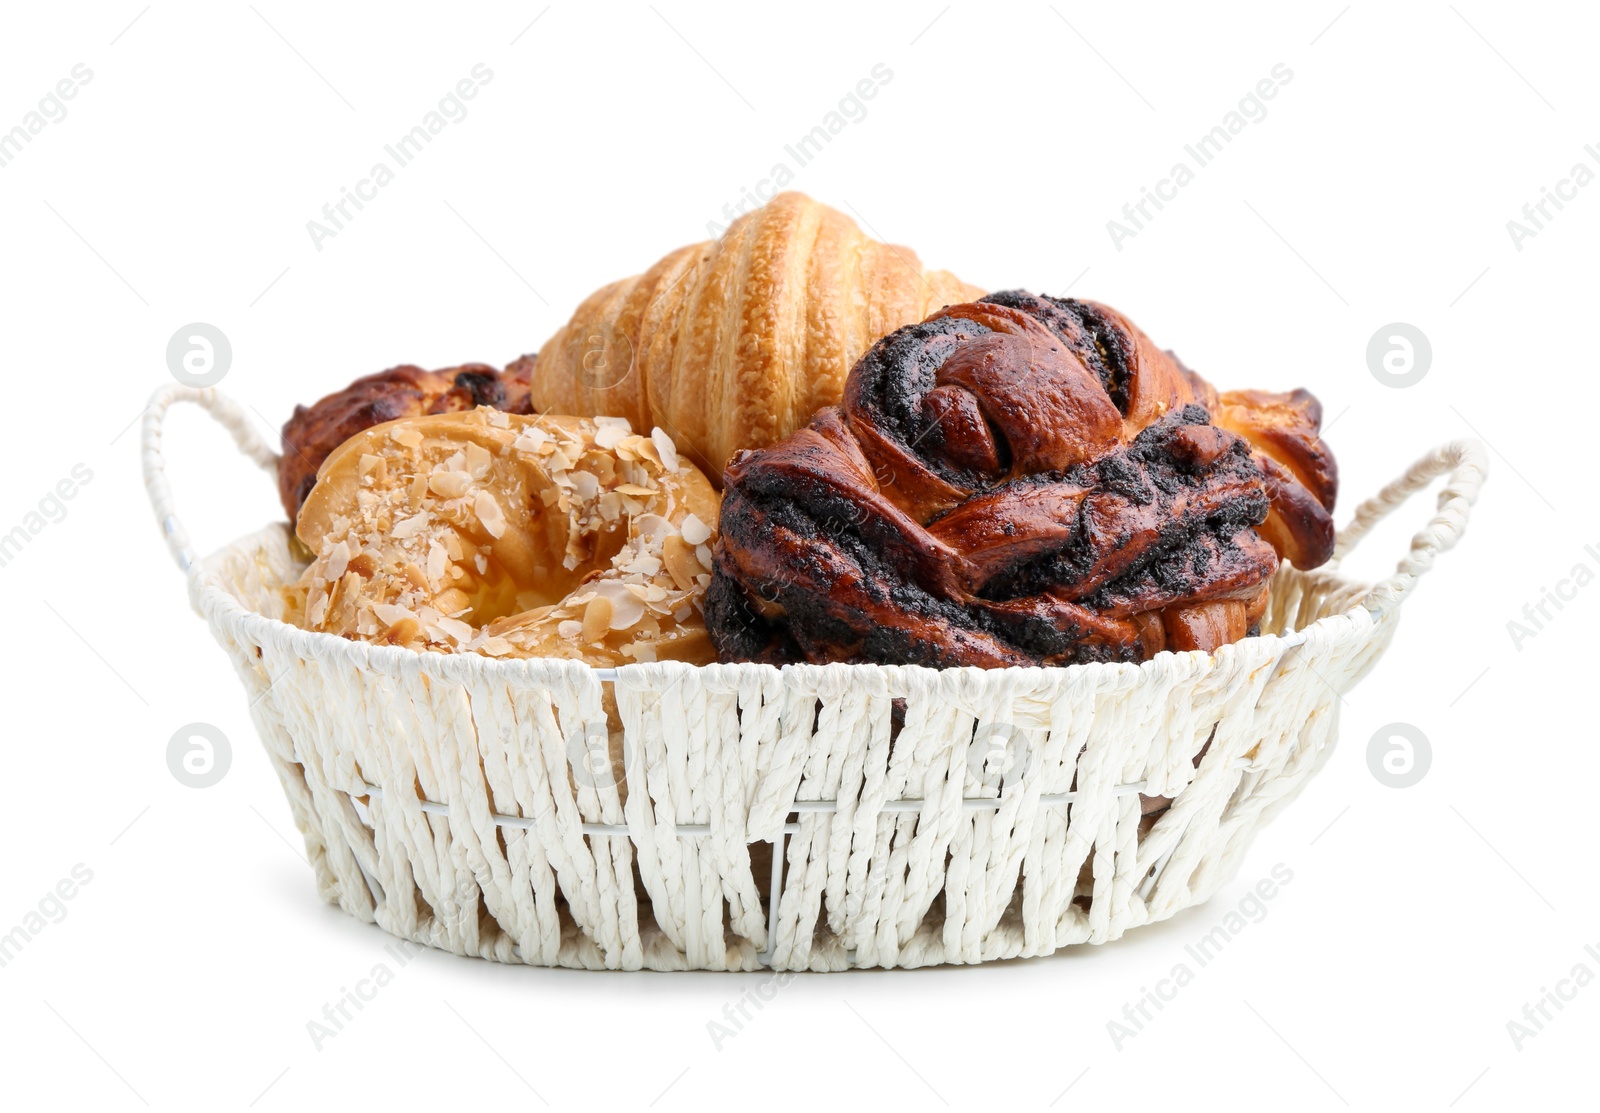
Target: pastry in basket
[
  {"x": 728, "y": 344},
  {"x": 313, "y": 432},
  {"x": 736, "y": 342},
  {"x": 511, "y": 536},
  {"x": 1018, "y": 481}
]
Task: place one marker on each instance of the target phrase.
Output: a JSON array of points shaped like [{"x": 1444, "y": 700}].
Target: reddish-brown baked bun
[{"x": 1015, "y": 481}]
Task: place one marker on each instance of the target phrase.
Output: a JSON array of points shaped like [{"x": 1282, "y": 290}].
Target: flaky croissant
[
  {"x": 1021, "y": 480},
  {"x": 735, "y": 343}
]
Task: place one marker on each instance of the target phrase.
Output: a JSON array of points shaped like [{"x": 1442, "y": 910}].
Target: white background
[{"x": 1377, "y": 189}]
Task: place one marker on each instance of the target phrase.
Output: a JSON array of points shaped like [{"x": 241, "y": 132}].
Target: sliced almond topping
[
  {"x": 410, "y": 527},
  {"x": 414, "y": 574},
  {"x": 530, "y": 439},
  {"x": 449, "y": 484},
  {"x": 643, "y": 565},
  {"x": 406, "y": 436},
  {"x": 627, "y": 608},
  {"x": 457, "y": 629},
  {"x": 452, "y": 601},
  {"x": 403, "y": 632},
  {"x": 490, "y": 514},
  {"x": 338, "y": 561},
  {"x": 680, "y": 561},
  {"x": 597, "y": 619},
  {"x": 695, "y": 532},
  {"x": 437, "y": 560},
  {"x": 389, "y": 614},
  {"x": 653, "y": 529},
  {"x": 642, "y": 447},
  {"x": 636, "y": 491},
  {"x": 569, "y": 628},
  {"x": 373, "y": 469},
  {"x": 665, "y": 448},
  {"x": 609, "y": 436}
]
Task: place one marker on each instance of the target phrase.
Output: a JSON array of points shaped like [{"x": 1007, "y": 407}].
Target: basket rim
[{"x": 216, "y": 603}]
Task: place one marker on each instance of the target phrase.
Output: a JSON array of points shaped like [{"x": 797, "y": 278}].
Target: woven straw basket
[{"x": 804, "y": 818}]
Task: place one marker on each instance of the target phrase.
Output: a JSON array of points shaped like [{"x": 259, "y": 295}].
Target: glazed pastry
[
  {"x": 736, "y": 342},
  {"x": 1283, "y": 429},
  {"x": 313, "y": 432},
  {"x": 1017, "y": 481},
  {"x": 510, "y": 536},
  {"x": 1302, "y": 479}
]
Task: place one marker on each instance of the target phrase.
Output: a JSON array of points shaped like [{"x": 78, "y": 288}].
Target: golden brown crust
[
  {"x": 1284, "y": 431},
  {"x": 406, "y": 391},
  {"x": 510, "y": 536},
  {"x": 1017, "y": 481},
  {"x": 735, "y": 343}
]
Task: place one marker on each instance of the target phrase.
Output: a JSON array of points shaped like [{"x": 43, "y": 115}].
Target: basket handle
[
  {"x": 1466, "y": 464},
  {"x": 230, "y": 416}
]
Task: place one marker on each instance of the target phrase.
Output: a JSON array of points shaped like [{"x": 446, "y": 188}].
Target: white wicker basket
[{"x": 456, "y": 800}]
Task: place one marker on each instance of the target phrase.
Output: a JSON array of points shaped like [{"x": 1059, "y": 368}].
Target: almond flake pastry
[{"x": 510, "y": 536}]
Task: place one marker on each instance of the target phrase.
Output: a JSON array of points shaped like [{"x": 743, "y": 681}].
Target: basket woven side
[{"x": 917, "y": 816}]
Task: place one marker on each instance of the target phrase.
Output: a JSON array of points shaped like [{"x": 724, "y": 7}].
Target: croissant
[
  {"x": 1017, "y": 481},
  {"x": 735, "y": 343}
]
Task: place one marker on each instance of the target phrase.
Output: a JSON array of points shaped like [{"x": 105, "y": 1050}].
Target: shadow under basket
[{"x": 813, "y": 817}]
